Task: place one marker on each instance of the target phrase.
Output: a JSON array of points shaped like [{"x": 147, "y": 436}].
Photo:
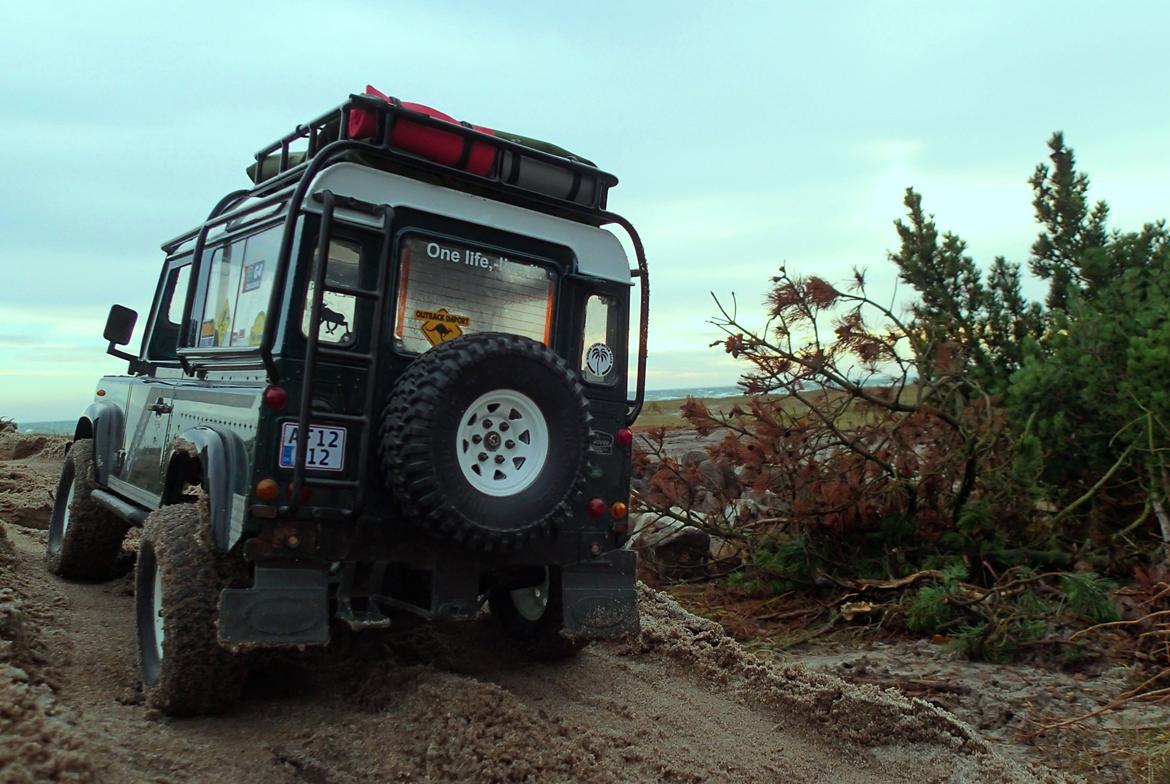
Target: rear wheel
[
  {"x": 533, "y": 616},
  {"x": 85, "y": 540},
  {"x": 184, "y": 670}
]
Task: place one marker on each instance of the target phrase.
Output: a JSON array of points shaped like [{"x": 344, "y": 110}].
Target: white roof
[{"x": 598, "y": 252}]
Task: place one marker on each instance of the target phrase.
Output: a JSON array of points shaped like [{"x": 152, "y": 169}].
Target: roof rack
[
  {"x": 568, "y": 187},
  {"x": 518, "y": 173}
]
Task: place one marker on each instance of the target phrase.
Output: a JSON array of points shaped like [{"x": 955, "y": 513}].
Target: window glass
[
  {"x": 446, "y": 289},
  {"x": 337, "y": 310},
  {"x": 256, "y": 276},
  {"x": 599, "y": 343},
  {"x": 223, "y": 283},
  {"x": 238, "y": 286},
  {"x": 165, "y": 337}
]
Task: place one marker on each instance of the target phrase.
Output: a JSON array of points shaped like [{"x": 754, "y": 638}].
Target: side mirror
[
  {"x": 119, "y": 329},
  {"x": 120, "y": 325}
]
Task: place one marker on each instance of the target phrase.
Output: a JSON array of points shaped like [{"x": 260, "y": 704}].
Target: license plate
[{"x": 325, "y": 450}]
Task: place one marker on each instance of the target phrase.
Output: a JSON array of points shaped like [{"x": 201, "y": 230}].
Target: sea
[
  {"x": 685, "y": 392},
  {"x": 65, "y": 427}
]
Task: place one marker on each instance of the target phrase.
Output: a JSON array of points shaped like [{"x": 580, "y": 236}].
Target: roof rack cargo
[{"x": 410, "y": 139}]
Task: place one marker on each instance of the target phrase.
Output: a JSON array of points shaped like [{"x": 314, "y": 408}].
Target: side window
[
  {"x": 447, "y": 289},
  {"x": 239, "y": 282},
  {"x": 337, "y": 310},
  {"x": 223, "y": 284},
  {"x": 599, "y": 342},
  {"x": 256, "y": 276},
  {"x": 165, "y": 336}
]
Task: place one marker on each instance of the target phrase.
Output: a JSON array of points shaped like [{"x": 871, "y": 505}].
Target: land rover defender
[{"x": 388, "y": 378}]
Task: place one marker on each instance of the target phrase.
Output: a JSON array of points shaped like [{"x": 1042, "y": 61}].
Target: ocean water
[
  {"x": 684, "y": 392},
  {"x": 61, "y": 427}
]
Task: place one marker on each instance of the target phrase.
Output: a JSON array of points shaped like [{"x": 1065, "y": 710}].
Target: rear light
[
  {"x": 306, "y": 493},
  {"x": 267, "y": 489},
  {"x": 275, "y": 397},
  {"x": 617, "y": 511},
  {"x": 625, "y": 436},
  {"x": 595, "y": 508}
]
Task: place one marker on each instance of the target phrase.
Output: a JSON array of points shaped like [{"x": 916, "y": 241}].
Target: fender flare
[
  {"x": 105, "y": 423},
  {"x": 221, "y": 456}
]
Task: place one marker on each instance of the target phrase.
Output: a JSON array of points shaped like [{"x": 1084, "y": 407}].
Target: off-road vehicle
[{"x": 390, "y": 377}]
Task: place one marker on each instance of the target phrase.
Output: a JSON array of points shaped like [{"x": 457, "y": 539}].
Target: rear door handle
[{"x": 159, "y": 407}]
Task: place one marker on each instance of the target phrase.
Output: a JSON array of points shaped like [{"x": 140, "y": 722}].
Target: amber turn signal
[
  {"x": 617, "y": 511},
  {"x": 267, "y": 489}
]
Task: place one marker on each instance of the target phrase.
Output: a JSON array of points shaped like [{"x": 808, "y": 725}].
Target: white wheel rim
[
  {"x": 157, "y": 612},
  {"x": 532, "y": 601},
  {"x": 68, "y": 513},
  {"x": 502, "y": 443}
]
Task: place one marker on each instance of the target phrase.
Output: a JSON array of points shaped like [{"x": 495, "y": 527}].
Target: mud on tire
[
  {"x": 430, "y": 440},
  {"x": 85, "y": 540},
  {"x": 536, "y": 635},
  {"x": 188, "y": 673}
]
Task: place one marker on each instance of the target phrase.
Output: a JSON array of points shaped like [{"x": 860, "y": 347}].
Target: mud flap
[
  {"x": 285, "y": 607},
  {"x": 599, "y": 597}
]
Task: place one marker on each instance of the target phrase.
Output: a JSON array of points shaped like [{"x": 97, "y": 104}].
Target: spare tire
[{"x": 483, "y": 440}]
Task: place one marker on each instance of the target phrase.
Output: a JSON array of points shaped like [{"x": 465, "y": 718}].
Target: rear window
[
  {"x": 446, "y": 289},
  {"x": 338, "y": 310}
]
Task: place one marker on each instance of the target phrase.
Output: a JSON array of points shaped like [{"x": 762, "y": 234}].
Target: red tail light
[
  {"x": 306, "y": 493},
  {"x": 625, "y": 436},
  {"x": 596, "y": 508},
  {"x": 275, "y": 397}
]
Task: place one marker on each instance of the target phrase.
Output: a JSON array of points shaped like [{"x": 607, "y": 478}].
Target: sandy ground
[{"x": 681, "y": 703}]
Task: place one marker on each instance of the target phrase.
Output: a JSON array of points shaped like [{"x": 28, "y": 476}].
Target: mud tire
[
  {"x": 85, "y": 540},
  {"x": 426, "y": 410},
  {"x": 540, "y": 638},
  {"x": 194, "y": 676}
]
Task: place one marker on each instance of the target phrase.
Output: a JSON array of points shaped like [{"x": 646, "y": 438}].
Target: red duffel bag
[{"x": 434, "y": 144}]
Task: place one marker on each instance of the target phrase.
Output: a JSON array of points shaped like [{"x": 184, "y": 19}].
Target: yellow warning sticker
[{"x": 439, "y": 326}]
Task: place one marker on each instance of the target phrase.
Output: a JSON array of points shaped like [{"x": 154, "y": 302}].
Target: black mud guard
[
  {"x": 102, "y": 421},
  {"x": 599, "y": 596},
  {"x": 284, "y": 608}
]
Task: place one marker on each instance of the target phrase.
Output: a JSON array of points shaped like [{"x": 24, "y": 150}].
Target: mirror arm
[{"x": 137, "y": 366}]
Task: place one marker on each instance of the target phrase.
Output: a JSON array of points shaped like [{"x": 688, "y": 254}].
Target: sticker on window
[
  {"x": 253, "y": 276},
  {"x": 439, "y": 326},
  {"x": 599, "y": 359},
  {"x": 207, "y": 334}
]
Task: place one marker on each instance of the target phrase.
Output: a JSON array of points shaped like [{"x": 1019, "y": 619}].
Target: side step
[
  {"x": 124, "y": 509},
  {"x": 285, "y": 607}
]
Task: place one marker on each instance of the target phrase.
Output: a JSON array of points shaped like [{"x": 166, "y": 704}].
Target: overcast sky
[{"x": 745, "y": 135}]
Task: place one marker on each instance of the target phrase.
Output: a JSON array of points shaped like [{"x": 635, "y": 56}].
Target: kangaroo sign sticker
[
  {"x": 439, "y": 326},
  {"x": 599, "y": 359}
]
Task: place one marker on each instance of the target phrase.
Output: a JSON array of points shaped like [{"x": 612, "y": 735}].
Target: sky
[{"x": 745, "y": 136}]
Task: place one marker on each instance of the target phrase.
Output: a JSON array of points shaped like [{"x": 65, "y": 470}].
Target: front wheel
[
  {"x": 85, "y": 540},
  {"x": 533, "y": 616},
  {"x": 185, "y": 672}
]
